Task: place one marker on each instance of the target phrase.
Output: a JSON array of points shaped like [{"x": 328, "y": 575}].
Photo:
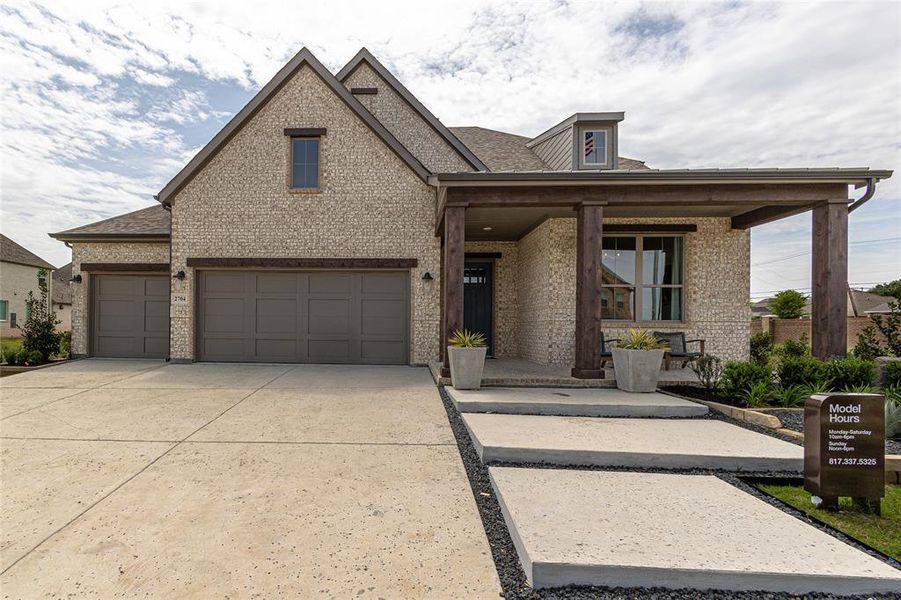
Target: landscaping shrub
[
  {"x": 30, "y": 358},
  {"x": 11, "y": 357},
  {"x": 801, "y": 371},
  {"x": 846, "y": 373},
  {"x": 708, "y": 370},
  {"x": 759, "y": 394},
  {"x": 65, "y": 344},
  {"x": 39, "y": 333},
  {"x": 892, "y": 374},
  {"x": 788, "y": 304},
  {"x": 893, "y": 412},
  {"x": 793, "y": 395},
  {"x": 890, "y": 327},
  {"x": 761, "y": 347},
  {"x": 868, "y": 346},
  {"x": 739, "y": 377},
  {"x": 793, "y": 348}
]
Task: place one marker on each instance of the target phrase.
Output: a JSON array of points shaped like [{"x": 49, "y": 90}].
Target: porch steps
[
  {"x": 621, "y": 529},
  {"x": 573, "y": 402},
  {"x": 625, "y": 442}
]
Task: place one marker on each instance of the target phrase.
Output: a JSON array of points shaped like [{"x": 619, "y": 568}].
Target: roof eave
[{"x": 64, "y": 236}]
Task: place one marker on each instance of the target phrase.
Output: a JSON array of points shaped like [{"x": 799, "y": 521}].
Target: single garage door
[
  {"x": 306, "y": 317},
  {"x": 130, "y": 316}
]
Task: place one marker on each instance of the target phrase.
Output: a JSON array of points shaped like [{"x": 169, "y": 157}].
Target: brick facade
[
  {"x": 371, "y": 205},
  {"x": 15, "y": 282}
]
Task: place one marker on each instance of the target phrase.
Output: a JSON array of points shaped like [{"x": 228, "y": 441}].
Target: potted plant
[
  {"x": 636, "y": 360},
  {"x": 466, "y": 352}
]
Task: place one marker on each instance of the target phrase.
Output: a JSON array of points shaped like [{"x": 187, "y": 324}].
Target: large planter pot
[
  {"x": 466, "y": 365},
  {"x": 637, "y": 370}
]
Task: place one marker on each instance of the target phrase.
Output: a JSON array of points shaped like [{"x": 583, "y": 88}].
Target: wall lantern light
[
  {"x": 180, "y": 276},
  {"x": 76, "y": 278},
  {"x": 427, "y": 277}
]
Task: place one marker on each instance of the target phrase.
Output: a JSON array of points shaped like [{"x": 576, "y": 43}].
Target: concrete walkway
[
  {"x": 135, "y": 478},
  {"x": 674, "y": 531},
  {"x": 573, "y": 402},
  {"x": 643, "y": 443}
]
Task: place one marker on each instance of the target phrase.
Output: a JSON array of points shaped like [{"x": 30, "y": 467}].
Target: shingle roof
[
  {"x": 865, "y": 302},
  {"x": 503, "y": 151},
  {"x": 151, "y": 222},
  {"x": 62, "y": 292},
  {"x": 14, "y": 253}
]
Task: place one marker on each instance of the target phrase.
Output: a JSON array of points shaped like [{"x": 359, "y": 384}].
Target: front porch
[
  {"x": 543, "y": 264},
  {"x": 519, "y": 372}
]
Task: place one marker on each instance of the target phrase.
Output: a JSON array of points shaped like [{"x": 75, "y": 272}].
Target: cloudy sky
[{"x": 102, "y": 103}]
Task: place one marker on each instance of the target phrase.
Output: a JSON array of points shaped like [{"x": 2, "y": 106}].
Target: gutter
[{"x": 871, "y": 191}]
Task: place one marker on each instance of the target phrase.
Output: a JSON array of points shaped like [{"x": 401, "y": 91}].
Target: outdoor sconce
[
  {"x": 180, "y": 276},
  {"x": 427, "y": 277},
  {"x": 76, "y": 278}
]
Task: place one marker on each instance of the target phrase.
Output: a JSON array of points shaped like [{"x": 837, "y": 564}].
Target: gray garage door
[
  {"x": 130, "y": 316},
  {"x": 312, "y": 317}
]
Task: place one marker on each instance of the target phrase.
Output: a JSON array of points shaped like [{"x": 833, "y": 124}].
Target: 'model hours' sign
[{"x": 844, "y": 446}]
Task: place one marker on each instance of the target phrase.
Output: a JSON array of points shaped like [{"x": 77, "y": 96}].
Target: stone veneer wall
[
  {"x": 370, "y": 205},
  {"x": 716, "y": 290},
  {"x": 505, "y": 278},
  {"x": 108, "y": 252},
  {"x": 405, "y": 124}
]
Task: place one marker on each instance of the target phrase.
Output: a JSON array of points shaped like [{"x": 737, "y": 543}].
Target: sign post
[{"x": 844, "y": 449}]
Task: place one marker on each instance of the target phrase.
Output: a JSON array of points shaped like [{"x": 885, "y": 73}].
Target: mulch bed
[{"x": 510, "y": 574}]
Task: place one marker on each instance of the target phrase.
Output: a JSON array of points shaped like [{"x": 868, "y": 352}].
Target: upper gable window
[
  {"x": 594, "y": 147},
  {"x": 305, "y": 163}
]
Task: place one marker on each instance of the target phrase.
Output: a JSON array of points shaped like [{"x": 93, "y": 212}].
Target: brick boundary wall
[{"x": 782, "y": 330}]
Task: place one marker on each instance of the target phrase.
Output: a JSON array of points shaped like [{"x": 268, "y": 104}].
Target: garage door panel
[
  {"x": 130, "y": 316},
  {"x": 277, "y": 315},
  {"x": 314, "y": 316}
]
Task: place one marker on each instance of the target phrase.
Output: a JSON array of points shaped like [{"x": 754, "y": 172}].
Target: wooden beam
[
  {"x": 304, "y": 263},
  {"x": 454, "y": 258},
  {"x": 589, "y": 225},
  {"x": 91, "y": 267},
  {"x": 829, "y": 277},
  {"x": 766, "y": 214},
  {"x": 651, "y": 228}
]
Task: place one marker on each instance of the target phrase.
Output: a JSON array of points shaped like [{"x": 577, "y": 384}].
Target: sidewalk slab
[
  {"x": 643, "y": 443},
  {"x": 620, "y": 529},
  {"x": 573, "y": 402}
]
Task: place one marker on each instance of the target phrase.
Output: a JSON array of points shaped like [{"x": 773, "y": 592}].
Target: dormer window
[{"x": 594, "y": 147}]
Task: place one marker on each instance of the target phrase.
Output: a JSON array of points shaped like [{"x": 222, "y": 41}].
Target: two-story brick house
[{"x": 335, "y": 219}]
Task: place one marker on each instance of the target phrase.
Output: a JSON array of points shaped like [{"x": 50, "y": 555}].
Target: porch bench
[
  {"x": 678, "y": 348},
  {"x": 606, "y": 352}
]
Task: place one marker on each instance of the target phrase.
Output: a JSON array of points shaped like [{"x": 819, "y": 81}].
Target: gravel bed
[
  {"x": 512, "y": 578},
  {"x": 794, "y": 420}
]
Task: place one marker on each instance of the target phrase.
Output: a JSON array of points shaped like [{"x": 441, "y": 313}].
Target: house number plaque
[{"x": 844, "y": 448}]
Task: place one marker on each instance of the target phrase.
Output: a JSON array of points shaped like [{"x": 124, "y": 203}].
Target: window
[
  {"x": 305, "y": 163},
  {"x": 642, "y": 278},
  {"x": 27, "y": 311},
  {"x": 4, "y": 308},
  {"x": 594, "y": 147}
]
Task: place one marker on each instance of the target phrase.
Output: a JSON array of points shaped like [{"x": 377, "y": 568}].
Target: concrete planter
[
  {"x": 637, "y": 370},
  {"x": 466, "y": 365}
]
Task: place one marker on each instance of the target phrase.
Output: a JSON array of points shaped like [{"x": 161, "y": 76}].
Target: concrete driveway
[{"x": 130, "y": 477}]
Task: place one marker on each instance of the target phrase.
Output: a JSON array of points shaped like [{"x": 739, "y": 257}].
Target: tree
[
  {"x": 891, "y": 288},
  {"x": 788, "y": 304},
  {"x": 39, "y": 331}
]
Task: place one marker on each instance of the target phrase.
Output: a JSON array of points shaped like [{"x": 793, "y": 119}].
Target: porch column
[
  {"x": 454, "y": 238},
  {"x": 589, "y": 225},
  {"x": 829, "y": 318}
]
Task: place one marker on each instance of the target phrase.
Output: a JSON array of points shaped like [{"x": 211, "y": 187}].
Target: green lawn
[
  {"x": 882, "y": 533},
  {"x": 10, "y": 344}
]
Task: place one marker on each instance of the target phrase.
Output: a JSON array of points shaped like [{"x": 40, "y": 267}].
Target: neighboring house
[
  {"x": 860, "y": 304},
  {"x": 18, "y": 275},
  {"x": 62, "y": 297},
  {"x": 335, "y": 219}
]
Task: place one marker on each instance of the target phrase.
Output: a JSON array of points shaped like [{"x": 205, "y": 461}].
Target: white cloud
[{"x": 100, "y": 99}]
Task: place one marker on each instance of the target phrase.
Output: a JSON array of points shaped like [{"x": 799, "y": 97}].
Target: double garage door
[{"x": 307, "y": 317}]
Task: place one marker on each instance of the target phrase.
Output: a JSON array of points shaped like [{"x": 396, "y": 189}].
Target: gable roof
[
  {"x": 304, "y": 57},
  {"x": 366, "y": 56},
  {"x": 61, "y": 291},
  {"x": 146, "y": 224},
  {"x": 12, "y": 252},
  {"x": 503, "y": 151}
]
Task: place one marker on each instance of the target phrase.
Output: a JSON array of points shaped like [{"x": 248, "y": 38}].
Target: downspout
[
  {"x": 871, "y": 190},
  {"x": 168, "y": 209}
]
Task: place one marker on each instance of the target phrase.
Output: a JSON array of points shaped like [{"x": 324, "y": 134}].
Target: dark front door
[{"x": 478, "y": 300}]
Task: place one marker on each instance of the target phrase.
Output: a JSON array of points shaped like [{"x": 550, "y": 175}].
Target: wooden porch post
[
  {"x": 454, "y": 238},
  {"x": 589, "y": 225},
  {"x": 829, "y": 318}
]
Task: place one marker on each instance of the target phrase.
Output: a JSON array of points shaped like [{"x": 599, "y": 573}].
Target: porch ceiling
[{"x": 514, "y": 222}]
